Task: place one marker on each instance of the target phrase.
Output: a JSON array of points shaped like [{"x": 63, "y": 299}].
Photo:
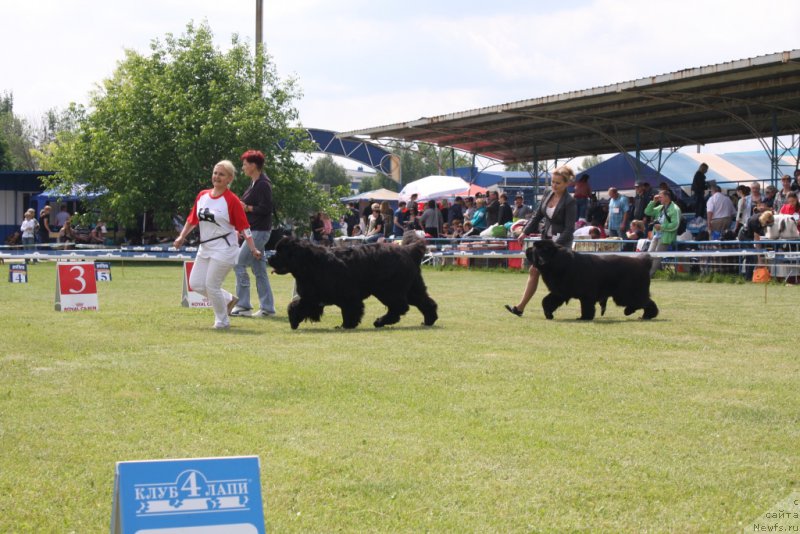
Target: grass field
[{"x": 483, "y": 423}]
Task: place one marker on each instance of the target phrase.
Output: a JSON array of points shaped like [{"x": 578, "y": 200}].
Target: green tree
[
  {"x": 15, "y": 144},
  {"x": 159, "y": 124},
  {"x": 378, "y": 181},
  {"x": 5, "y": 159},
  {"x": 421, "y": 160},
  {"x": 589, "y": 162},
  {"x": 326, "y": 171}
]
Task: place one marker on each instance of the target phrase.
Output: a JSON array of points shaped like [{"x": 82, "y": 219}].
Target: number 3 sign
[{"x": 76, "y": 287}]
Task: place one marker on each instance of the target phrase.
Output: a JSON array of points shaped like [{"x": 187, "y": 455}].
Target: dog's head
[
  {"x": 543, "y": 253},
  {"x": 289, "y": 253},
  {"x": 783, "y": 227}
]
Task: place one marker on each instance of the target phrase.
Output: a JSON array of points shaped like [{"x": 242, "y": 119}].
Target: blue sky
[{"x": 367, "y": 63}]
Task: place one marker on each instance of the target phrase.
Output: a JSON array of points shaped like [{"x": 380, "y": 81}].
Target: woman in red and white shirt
[{"x": 219, "y": 213}]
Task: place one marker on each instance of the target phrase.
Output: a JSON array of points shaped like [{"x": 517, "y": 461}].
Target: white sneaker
[
  {"x": 263, "y": 313},
  {"x": 232, "y": 303},
  {"x": 238, "y": 311},
  {"x": 221, "y": 326}
]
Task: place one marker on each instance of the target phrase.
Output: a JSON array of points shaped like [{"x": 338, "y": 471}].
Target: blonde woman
[
  {"x": 220, "y": 215},
  {"x": 28, "y": 229},
  {"x": 559, "y": 211}
]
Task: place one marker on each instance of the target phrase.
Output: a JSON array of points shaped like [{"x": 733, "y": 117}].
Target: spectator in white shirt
[{"x": 721, "y": 211}]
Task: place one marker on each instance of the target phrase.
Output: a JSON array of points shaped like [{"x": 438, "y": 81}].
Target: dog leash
[{"x": 224, "y": 236}]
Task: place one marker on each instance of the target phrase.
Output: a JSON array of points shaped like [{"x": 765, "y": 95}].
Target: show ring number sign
[
  {"x": 102, "y": 271},
  {"x": 194, "y": 495},
  {"x": 18, "y": 273},
  {"x": 191, "y": 298},
  {"x": 76, "y": 287}
]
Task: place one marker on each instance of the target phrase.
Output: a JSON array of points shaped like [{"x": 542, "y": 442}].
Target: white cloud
[{"x": 363, "y": 63}]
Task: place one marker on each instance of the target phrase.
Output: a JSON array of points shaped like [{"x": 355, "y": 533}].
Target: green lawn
[{"x": 483, "y": 423}]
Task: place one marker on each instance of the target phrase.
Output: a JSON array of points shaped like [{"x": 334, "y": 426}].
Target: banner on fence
[
  {"x": 208, "y": 495},
  {"x": 76, "y": 287}
]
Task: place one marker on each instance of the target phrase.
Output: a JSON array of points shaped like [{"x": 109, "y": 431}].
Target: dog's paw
[{"x": 378, "y": 323}]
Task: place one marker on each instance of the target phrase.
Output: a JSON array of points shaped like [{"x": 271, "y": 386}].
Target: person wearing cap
[
  {"x": 720, "y": 210},
  {"x": 521, "y": 210},
  {"x": 374, "y": 224}
]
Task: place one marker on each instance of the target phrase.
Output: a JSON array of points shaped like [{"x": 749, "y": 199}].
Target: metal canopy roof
[{"x": 745, "y": 99}]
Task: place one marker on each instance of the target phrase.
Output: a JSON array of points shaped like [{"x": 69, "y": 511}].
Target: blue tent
[{"x": 77, "y": 193}]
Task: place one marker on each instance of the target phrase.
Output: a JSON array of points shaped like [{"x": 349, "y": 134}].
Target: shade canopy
[
  {"x": 377, "y": 194},
  {"x": 435, "y": 187}
]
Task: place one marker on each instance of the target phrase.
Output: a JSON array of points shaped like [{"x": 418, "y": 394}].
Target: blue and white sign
[
  {"x": 102, "y": 271},
  {"x": 18, "y": 273},
  {"x": 195, "y": 495}
]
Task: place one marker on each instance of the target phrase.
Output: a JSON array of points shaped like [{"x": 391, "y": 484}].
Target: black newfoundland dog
[
  {"x": 346, "y": 276},
  {"x": 592, "y": 278}
]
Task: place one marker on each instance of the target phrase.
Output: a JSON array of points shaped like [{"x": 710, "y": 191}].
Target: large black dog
[
  {"x": 346, "y": 276},
  {"x": 592, "y": 278}
]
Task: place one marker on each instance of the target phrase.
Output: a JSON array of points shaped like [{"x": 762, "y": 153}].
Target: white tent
[
  {"x": 434, "y": 187},
  {"x": 377, "y": 194}
]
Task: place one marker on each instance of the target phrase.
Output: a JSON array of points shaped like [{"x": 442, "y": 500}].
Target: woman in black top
[{"x": 559, "y": 211}]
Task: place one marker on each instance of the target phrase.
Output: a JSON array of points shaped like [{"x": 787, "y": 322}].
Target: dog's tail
[{"x": 415, "y": 245}]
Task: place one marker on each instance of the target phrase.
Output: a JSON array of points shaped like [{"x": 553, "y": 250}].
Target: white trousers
[{"x": 206, "y": 278}]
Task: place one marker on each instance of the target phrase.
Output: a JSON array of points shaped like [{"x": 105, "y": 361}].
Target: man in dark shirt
[
  {"x": 456, "y": 211},
  {"x": 492, "y": 209},
  {"x": 400, "y": 219},
  {"x": 699, "y": 190},
  {"x": 506, "y": 214},
  {"x": 643, "y": 196},
  {"x": 351, "y": 218}
]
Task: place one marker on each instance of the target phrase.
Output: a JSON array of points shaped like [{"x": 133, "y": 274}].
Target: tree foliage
[
  {"x": 379, "y": 181},
  {"x": 421, "y": 160},
  {"x": 589, "y": 162},
  {"x": 326, "y": 171},
  {"x": 15, "y": 145},
  {"x": 159, "y": 124}
]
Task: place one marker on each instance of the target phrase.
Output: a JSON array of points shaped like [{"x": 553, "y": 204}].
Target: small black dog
[
  {"x": 592, "y": 278},
  {"x": 345, "y": 276}
]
